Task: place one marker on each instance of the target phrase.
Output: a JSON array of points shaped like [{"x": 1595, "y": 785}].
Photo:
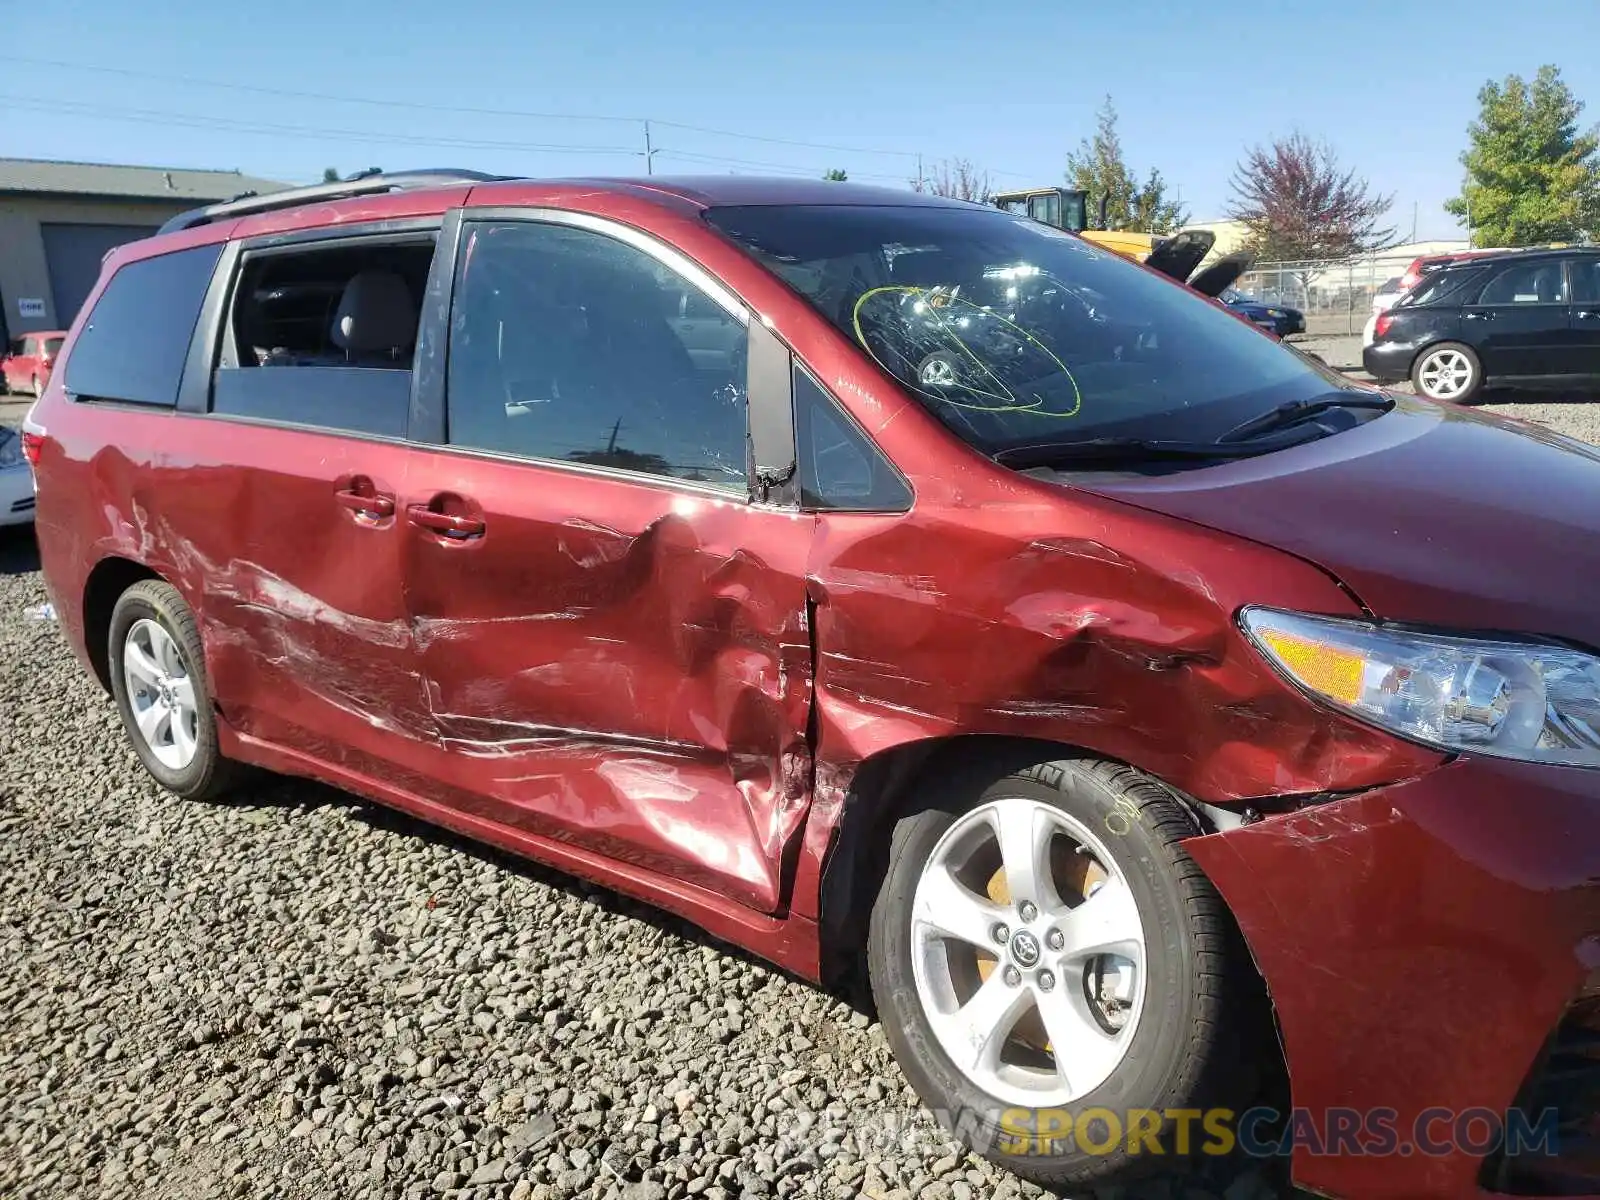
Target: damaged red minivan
[{"x": 890, "y": 582}]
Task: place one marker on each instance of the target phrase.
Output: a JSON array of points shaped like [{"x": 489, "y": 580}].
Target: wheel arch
[
  {"x": 110, "y": 577},
  {"x": 881, "y": 791}
]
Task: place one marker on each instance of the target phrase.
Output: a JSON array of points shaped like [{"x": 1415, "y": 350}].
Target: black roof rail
[{"x": 367, "y": 183}]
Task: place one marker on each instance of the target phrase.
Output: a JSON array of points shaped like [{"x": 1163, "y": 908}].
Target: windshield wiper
[
  {"x": 1295, "y": 411},
  {"x": 1048, "y": 454}
]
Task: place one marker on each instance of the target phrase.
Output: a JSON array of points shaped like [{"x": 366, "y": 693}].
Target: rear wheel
[
  {"x": 1049, "y": 964},
  {"x": 158, "y": 677},
  {"x": 1449, "y": 372}
]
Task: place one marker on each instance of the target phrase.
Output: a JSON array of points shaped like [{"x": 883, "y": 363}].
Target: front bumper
[
  {"x": 1423, "y": 945},
  {"x": 1389, "y": 362},
  {"x": 1291, "y": 322}
]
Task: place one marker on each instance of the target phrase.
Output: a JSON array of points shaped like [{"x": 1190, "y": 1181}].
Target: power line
[
  {"x": 419, "y": 106},
  {"x": 150, "y": 116}
]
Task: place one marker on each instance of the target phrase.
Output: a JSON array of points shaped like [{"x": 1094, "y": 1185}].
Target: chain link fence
[{"x": 1334, "y": 294}]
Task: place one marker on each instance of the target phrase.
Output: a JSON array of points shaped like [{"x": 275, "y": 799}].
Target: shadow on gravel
[
  {"x": 274, "y": 791},
  {"x": 19, "y": 552},
  {"x": 1232, "y": 1177}
]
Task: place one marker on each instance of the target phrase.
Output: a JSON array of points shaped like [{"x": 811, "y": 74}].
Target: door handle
[
  {"x": 446, "y": 523},
  {"x": 1588, "y": 314},
  {"x": 366, "y": 504},
  {"x": 1478, "y": 316}
]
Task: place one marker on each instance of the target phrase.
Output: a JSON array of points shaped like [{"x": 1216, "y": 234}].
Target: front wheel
[
  {"x": 1449, "y": 372},
  {"x": 1055, "y": 975},
  {"x": 158, "y": 677}
]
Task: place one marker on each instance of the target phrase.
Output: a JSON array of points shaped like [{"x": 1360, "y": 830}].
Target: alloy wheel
[
  {"x": 1445, "y": 374},
  {"x": 1028, "y": 953},
  {"x": 161, "y": 693}
]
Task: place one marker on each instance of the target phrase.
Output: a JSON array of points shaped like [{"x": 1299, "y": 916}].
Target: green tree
[
  {"x": 330, "y": 174},
  {"x": 1532, "y": 175},
  {"x": 1098, "y": 168},
  {"x": 835, "y": 175}
]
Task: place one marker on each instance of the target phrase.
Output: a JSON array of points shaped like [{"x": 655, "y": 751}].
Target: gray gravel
[{"x": 299, "y": 995}]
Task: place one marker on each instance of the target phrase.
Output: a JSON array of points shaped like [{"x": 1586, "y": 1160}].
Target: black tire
[
  {"x": 1475, "y": 379},
  {"x": 1201, "y": 1039},
  {"x": 208, "y": 773}
]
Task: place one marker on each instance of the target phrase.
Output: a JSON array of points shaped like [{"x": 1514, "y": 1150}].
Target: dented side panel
[
  {"x": 620, "y": 665},
  {"x": 1081, "y": 624}
]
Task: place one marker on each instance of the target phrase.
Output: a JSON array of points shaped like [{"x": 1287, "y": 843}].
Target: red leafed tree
[{"x": 1299, "y": 203}]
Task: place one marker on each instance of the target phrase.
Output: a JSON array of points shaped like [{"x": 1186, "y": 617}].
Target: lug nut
[
  {"x": 1047, "y": 980},
  {"x": 1028, "y": 910},
  {"x": 1054, "y": 939},
  {"x": 1000, "y": 933},
  {"x": 1013, "y": 976}
]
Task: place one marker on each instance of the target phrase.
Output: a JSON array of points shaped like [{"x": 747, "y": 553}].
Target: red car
[
  {"x": 27, "y": 365},
  {"x": 888, "y": 583}
]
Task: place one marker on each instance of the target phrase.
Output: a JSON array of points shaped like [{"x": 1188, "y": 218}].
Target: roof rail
[{"x": 366, "y": 183}]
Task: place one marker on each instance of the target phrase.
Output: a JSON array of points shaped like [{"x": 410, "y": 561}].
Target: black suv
[{"x": 1519, "y": 316}]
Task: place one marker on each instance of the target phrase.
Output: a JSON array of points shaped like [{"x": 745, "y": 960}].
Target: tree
[
  {"x": 958, "y": 179},
  {"x": 835, "y": 175},
  {"x": 1098, "y": 168},
  {"x": 1299, "y": 203},
  {"x": 1532, "y": 175},
  {"x": 330, "y": 174}
]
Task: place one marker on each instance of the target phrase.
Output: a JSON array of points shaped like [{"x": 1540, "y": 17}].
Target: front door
[
  {"x": 612, "y": 633},
  {"x": 1519, "y": 323},
  {"x": 1585, "y": 312}
]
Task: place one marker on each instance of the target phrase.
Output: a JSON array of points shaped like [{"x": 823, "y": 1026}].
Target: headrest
[{"x": 375, "y": 313}]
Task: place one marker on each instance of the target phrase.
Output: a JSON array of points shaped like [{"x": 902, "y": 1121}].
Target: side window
[
  {"x": 840, "y": 469},
  {"x": 1526, "y": 283},
  {"x": 1585, "y": 279},
  {"x": 567, "y": 344},
  {"x": 30, "y": 346},
  {"x": 324, "y": 335},
  {"x": 133, "y": 344}
]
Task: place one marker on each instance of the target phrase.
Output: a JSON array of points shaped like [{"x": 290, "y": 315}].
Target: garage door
[{"x": 73, "y": 253}]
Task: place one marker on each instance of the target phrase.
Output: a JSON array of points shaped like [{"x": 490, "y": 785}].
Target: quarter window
[
  {"x": 324, "y": 335},
  {"x": 1526, "y": 283},
  {"x": 840, "y": 470},
  {"x": 572, "y": 346},
  {"x": 133, "y": 344}
]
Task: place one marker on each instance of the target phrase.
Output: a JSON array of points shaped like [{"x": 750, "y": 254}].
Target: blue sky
[{"x": 1012, "y": 87}]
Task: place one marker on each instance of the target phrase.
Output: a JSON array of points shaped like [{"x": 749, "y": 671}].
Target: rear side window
[
  {"x": 324, "y": 335},
  {"x": 134, "y": 342},
  {"x": 53, "y": 345},
  {"x": 1440, "y": 286}
]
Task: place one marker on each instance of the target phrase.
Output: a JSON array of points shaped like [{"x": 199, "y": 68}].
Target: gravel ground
[{"x": 300, "y": 995}]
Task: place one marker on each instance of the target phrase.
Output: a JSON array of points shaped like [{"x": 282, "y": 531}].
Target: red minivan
[{"x": 888, "y": 583}]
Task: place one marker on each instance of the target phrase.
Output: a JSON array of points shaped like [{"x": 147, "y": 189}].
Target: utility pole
[
  {"x": 919, "y": 173},
  {"x": 649, "y": 153},
  {"x": 1413, "y": 222}
]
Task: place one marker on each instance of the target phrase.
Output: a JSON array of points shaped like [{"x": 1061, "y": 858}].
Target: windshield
[{"x": 1014, "y": 333}]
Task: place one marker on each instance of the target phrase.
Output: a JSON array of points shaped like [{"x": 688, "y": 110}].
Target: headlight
[{"x": 1510, "y": 699}]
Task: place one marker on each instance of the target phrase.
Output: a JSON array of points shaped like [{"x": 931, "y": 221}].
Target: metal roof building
[{"x": 58, "y": 220}]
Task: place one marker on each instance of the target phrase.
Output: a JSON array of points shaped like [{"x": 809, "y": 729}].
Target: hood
[
  {"x": 1181, "y": 253},
  {"x": 1222, "y": 274},
  {"x": 1429, "y": 514}
]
